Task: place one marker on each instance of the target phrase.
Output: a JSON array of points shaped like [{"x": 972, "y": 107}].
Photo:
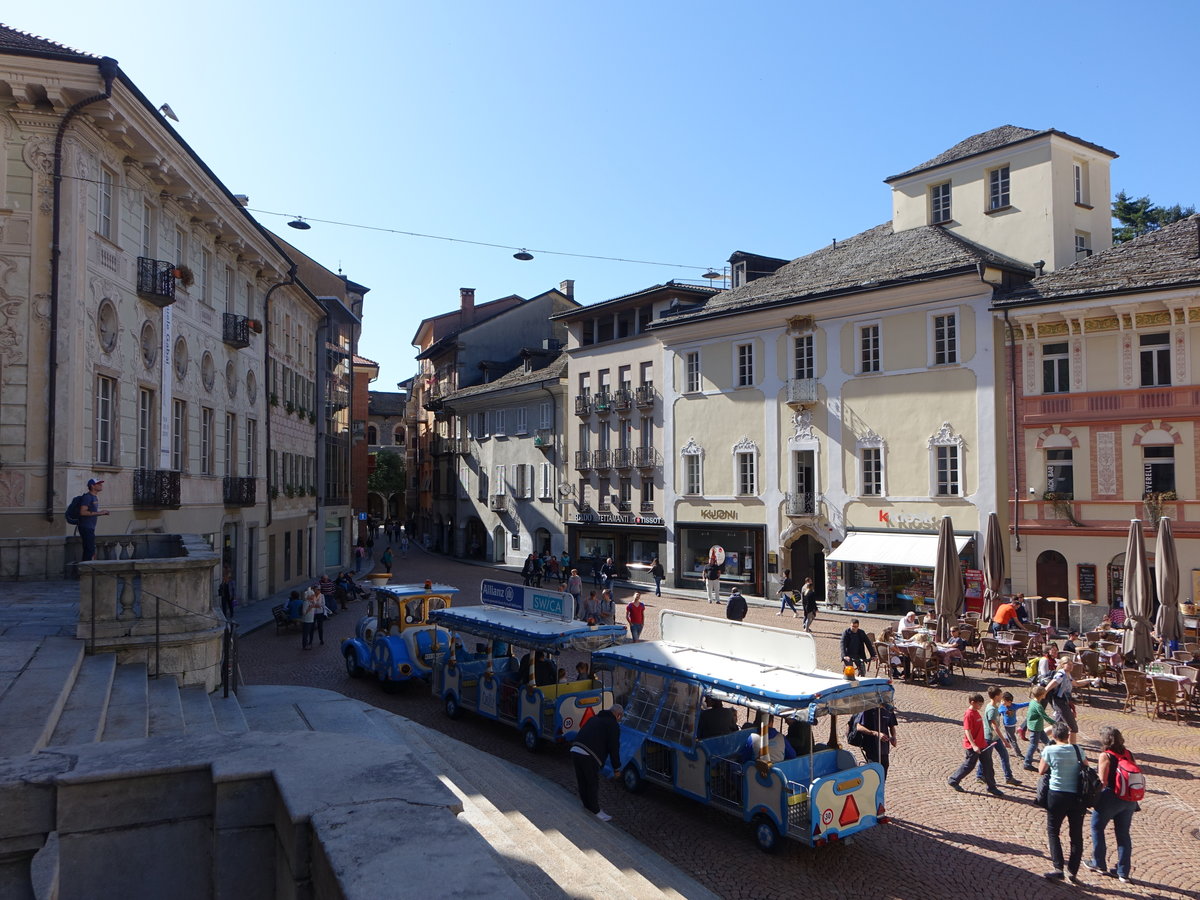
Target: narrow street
[{"x": 938, "y": 845}]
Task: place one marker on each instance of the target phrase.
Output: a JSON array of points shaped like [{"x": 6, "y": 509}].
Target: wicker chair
[
  {"x": 1168, "y": 697},
  {"x": 1182, "y": 656},
  {"x": 994, "y": 657},
  {"x": 925, "y": 660},
  {"x": 883, "y": 653},
  {"x": 1137, "y": 688}
]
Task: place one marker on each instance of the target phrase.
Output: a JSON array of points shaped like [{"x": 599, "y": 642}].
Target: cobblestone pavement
[{"x": 938, "y": 844}]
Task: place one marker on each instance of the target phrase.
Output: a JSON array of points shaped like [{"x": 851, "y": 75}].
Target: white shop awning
[{"x": 892, "y": 549}]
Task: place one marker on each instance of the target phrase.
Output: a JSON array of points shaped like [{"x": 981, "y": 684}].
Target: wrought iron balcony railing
[
  {"x": 802, "y": 503},
  {"x": 601, "y": 459},
  {"x": 644, "y": 395},
  {"x": 583, "y": 404},
  {"x": 602, "y": 403},
  {"x": 156, "y": 281},
  {"x": 239, "y": 491},
  {"x": 622, "y": 399},
  {"x": 622, "y": 458},
  {"x": 235, "y": 330},
  {"x": 155, "y": 489},
  {"x": 801, "y": 391},
  {"x": 646, "y": 458},
  {"x": 583, "y": 460}
]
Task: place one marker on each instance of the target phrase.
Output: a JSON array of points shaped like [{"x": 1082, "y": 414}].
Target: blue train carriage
[
  {"x": 819, "y": 796},
  {"x": 481, "y": 669},
  {"x": 396, "y": 640}
]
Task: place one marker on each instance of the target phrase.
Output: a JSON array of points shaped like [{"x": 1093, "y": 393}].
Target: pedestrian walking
[
  {"x": 89, "y": 511},
  {"x": 656, "y": 572},
  {"x": 227, "y": 592},
  {"x": 386, "y": 560},
  {"x": 1036, "y": 723},
  {"x": 598, "y": 740},
  {"x": 591, "y": 609},
  {"x": 1123, "y": 785},
  {"x": 320, "y": 614},
  {"x": 808, "y": 603},
  {"x": 994, "y": 734},
  {"x": 329, "y": 593},
  {"x": 712, "y": 580},
  {"x": 1058, "y": 697},
  {"x": 608, "y": 609},
  {"x": 635, "y": 615},
  {"x": 976, "y": 749},
  {"x": 785, "y": 594},
  {"x": 575, "y": 589},
  {"x": 308, "y": 620},
  {"x": 1008, "y": 715},
  {"x": 527, "y": 571},
  {"x": 857, "y": 647},
  {"x": 404, "y": 545},
  {"x": 608, "y": 572},
  {"x": 1063, "y": 760},
  {"x": 737, "y": 607}
]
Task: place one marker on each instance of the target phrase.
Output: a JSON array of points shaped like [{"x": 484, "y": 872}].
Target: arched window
[
  {"x": 372, "y": 435},
  {"x": 398, "y": 436},
  {"x": 1052, "y": 574},
  {"x": 692, "y": 456}
]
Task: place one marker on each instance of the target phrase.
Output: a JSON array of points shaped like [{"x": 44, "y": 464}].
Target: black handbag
[
  {"x": 1042, "y": 797},
  {"x": 1089, "y": 782}
]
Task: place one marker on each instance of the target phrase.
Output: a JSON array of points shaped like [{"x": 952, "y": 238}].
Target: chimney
[
  {"x": 567, "y": 288},
  {"x": 466, "y": 297}
]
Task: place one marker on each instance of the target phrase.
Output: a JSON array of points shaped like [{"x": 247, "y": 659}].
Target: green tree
[
  {"x": 1140, "y": 216},
  {"x": 389, "y": 476}
]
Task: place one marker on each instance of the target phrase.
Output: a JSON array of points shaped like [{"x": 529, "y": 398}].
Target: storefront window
[
  {"x": 740, "y": 552},
  {"x": 643, "y": 552},
  {"x": 590, "y": 545}
]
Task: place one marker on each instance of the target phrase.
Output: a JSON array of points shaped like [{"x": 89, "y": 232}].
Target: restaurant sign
[
  {"x": 595, "y": 518},
  {"x": 901, "y": 520}
]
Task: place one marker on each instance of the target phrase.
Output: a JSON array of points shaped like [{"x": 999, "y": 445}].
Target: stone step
[
  {"x": 268, "y": 708},
  {"x": 128, "y": 715},
  {"x": 164, "y": 707},
  {"x": 82, "y": 719},
  {"x": 31, "y": 706},
  {"x": 549, "y": 805},
  {"x": 228, "y": 713},
  {"x": 541, "y": 860},
  {"x": 198, "y": 715}
]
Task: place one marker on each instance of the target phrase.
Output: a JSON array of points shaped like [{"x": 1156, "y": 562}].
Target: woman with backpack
[
  {"x": 1123, "y": 785},
  {"x": 1063, "y": 760}
]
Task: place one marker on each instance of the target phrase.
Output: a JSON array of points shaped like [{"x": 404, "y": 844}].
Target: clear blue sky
[{"x": 675, "y": 131}]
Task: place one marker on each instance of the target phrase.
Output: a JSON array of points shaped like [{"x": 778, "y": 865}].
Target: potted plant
[
  {"x": 274, "y": 399},
  {"x": 1153, "y": 501},
  {"x": 1061, "y": 501},
  {"x": 290, "y": 407},
  {"x": 312, "y": 418}
]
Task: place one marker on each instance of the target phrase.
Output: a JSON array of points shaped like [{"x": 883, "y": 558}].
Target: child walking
[
  {"x": 1036, "y": 721},
  {"x": 1008, "y": 713}
]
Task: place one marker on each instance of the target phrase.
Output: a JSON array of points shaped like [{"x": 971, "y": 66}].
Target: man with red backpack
[{"x": 1124, "y": 785}]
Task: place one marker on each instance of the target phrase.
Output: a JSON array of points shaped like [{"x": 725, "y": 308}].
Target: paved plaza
[{"x": 939, "y": 844}]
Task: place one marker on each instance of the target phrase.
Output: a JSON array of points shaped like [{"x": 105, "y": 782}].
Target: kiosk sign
[{"x": 540, "y": 603}]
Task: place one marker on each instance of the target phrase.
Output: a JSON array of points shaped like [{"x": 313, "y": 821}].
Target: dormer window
[
  {"x": 939, "y": 203},
  {"x": 739, "y": 274}
]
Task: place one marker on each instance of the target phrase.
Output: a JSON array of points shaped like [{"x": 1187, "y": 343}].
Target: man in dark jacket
[
  {"x": 598, "y": 739},
  {"x": 737, "y": 607},
  {"x": 857, "y": 647}
]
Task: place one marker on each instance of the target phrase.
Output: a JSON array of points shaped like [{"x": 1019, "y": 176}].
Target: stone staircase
[{"x": 53, "y": 696}]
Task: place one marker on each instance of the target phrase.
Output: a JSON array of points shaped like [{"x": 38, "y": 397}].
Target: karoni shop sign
[{"x": 719, "y": 514}]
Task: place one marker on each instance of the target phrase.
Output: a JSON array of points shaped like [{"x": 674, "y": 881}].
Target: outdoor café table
[
  {"x": 945, "y": 652},
  {"x": 1114, "y": 659},
  {"x": 1185, "y": 683}
]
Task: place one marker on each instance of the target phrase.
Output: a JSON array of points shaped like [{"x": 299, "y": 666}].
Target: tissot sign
[{"x": 591, "y": 518}]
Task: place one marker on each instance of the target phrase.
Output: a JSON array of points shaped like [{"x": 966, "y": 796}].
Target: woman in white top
[{"x": 313, "y": 601}]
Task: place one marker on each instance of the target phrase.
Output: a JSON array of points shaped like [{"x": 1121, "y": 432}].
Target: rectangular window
[
  {"x": 546, "y": 482},
  {"x": 945, "y": 340},
  {"x": 145, "y": 429},
  {"x": 939, "y": 203},
  {"x": 803, "y": 363},
  {"x": 1158, "y": 468},
  {"x": 544, "y": 419},
  {"x": 464, "y": 481},
  {"x": 523, "y": 481},
  {"x": 249, "y": 299},
  {"x": 1079, "y": 172},
  {"x": 647, "y": 490},
  {"x": 585, "y": 384},
  {"x": 501, "y": 486},
  {"x": 180, "y": 247},
  {"x": 1060, "y": 476},
  {"x": 483, "y": 484},
  {"x": 626, "y": 491},
  {"x": 646, "y": 374},
  {"x": 998, "y": 188},
  {"x": 204, "y": 276},
  {"x": 106, "y": 394},
  {"x": 747, "y": 483},
  {"x": 252, "y": 448},
  {"x": 872, "y": 471},
  {"x": 230, "y": 444},
  {"x": 178, "y": 435},
  {"x": 869, "y": 354},
  {"x": 625, "y": 378},
  {"x": 206, "y": 441},
  {"x": 104, "y": 205},
  {"x": 745, "y": 365},
  {"x": 522, "y": 427},
  {"x": 147, "y": 230},
  {"x": 691, "y": 474},
  {"x": 691, "y": 371},
  {"x": 1083, "y": 245},
  {"x": 805, "y": 483},
  {"x": 1056, "y": 368},
  {"x": 647, "y": 435},
  {"x": 230, "y": 294},
  {"x": 948, "y": 484},
  {"x": 1155, "y": 350}
]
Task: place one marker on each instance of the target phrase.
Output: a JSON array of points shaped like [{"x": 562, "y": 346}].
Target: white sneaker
[{"x": 603, "y": 816}]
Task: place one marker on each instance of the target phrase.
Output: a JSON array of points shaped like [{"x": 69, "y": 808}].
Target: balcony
[
  {"x": 501, "y": 503},
  {"x": 156, "y": 281},
  {"x": 622, "y": 400},
  {"x": 801, "y": 392},
  {"x": 602, "y": 403},
  {"x": 446, "y": 446},
  {"x": 543, "y": 439},
  {"x": 647, "y": 507},
  {"x": 801, "y": 503},
  {"x": 583, "y": 460},
  {"x": 239, "y": 491},
  {"x": 624, "y": 506},
  {"x": 602, "y": 459},
  {"x": 235, "y": 330},
  {"x": 155, "y": 489},
  {"x": 622, "y": 458},
  {"x": 1064, "y": 409},
  {"x": 460, "y": 447},
  {"x": 644, "y": 396},
  {"x": 583, "y": 404},
  {"x": 646, "y": 458}
]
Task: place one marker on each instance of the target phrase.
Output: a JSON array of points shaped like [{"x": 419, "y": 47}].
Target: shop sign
[
  {"x": 593, "y": 518},
  {"x": 718, "y": 513},
  {"x": 901, "y": 520}
]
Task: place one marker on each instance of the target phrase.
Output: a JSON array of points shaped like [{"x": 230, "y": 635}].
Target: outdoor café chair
[
  {"x": 1137, "y": 689},
  {"x": 1168, "y": 696}
]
